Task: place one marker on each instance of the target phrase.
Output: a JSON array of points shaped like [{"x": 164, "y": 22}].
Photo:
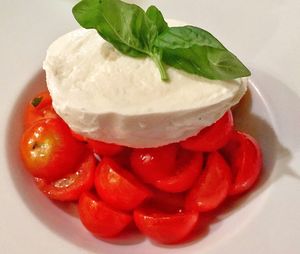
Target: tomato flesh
[
  {"x": 187, "y": 171},
  {"x": 244, "y": 156},
  {"x": 167, "y": 201},
  {"x": 123, "y": 158},
  {"x": 39, "y": 108},
  {"x": 213, "y": 137},
  {"x": 99, "y": 218},
  {"x": 165, "y": 227},
  {"x": 118, "y": 187},
  {"x": 152, "y": 164},
  {"x": 70, "y": 187},
  {"x": 49, "y": 151},
  {"x": 212, "y": 187},
  {"x": 104, "y": 149}
]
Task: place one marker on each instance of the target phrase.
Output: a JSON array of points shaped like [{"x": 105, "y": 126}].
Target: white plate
[{"x": 264, "y": 34}]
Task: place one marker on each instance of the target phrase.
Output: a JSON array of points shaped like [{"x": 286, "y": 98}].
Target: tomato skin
[
  {"x": 70, "y": 187},
  {"x": 118, "y": 187},
  {"x": 166, "y": 201},
  {"x": 212, "y": 137},
  {"x": 49, "y": 151},
  {"x": 152, "y": 164},
  {"x": 123, "y": 158},
  {"x": 245, "y": 158},
  {"x": 99, "y": 218},
  {"x": 42, "y": 110},
  {"x": 212, "y": 187},
  {"x": 79, "y": 137},
  {"x": 167, "y": 228},
  {"x": 185, "y": 175},
  {"x": 104, "y": 149}
]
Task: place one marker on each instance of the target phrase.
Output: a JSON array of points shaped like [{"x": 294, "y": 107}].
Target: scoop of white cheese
[{"x": 107, "y": 96}]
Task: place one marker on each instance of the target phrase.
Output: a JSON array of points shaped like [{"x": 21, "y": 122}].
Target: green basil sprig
[
  {"x": 196, "y": 51},
  {"x": 137, "y": 33},
  {"x": 126, "y": 26}
]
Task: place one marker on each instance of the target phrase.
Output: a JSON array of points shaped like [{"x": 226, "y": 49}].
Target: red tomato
[
  {"x": 245, "y": 158},
  {"x": 118, "y": 187},
  {"x": 212, "y": 187},
  {"x": 78, "y": 136},
  {"x": 187, "y": 171},
  {"x": 165, "y": 227},
  {"x": 213, "y": 137},
  {"x": 123, "y": 158},
  {"x": 104, "y": 149},
  {"x": 99, "y": 218},
  {"x": 152, "y": 164},
  {"x": 39, "y": 108},
  {"x": 49, "y": 150},
  {"x": 166, "y": 201},
  {"x": 73, "y": 185}
]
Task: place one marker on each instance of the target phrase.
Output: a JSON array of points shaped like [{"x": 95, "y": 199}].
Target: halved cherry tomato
[
  {"x": 245, "y": 158},
  {"x": 49, "y": 150},
  {"x": 39, "y": 108},
  {"x": 212, "y": 187},
  {"x": 152, "y": 164},
  {"x": 166, "y": 201},
  {"x": 70, "y": 187},
  {"x": 213, "y": 137},
  {"x": 118, "y": 187},
  {"x": 78, "y": 136},
  {"x": 104, "y": 149},
  {"x": 123, "y": 158},
  {"x": 165, "y": 227},
  {"x": 187, "y": 171},
  {"x": 99, "y": 218}
]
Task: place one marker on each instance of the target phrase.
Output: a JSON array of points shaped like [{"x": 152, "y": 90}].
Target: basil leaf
[
  {"x": 125, "y": 26},
  {"x": 87, "y": 13},
  {"x": 185, "y": 36},
  {"x": 155, "y": 15},
  {"x": 36, "y": 101},
  {"x": 113, "y": 20},
  {"x": 196, "y": 51}
]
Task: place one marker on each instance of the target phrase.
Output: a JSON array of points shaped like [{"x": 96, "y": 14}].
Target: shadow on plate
[{"x": 69, "y": 227}]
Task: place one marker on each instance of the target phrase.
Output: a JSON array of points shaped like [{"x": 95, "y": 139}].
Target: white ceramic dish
[{"x": 264, "y": 34}]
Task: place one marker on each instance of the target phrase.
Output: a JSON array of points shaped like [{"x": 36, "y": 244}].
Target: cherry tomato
[
  {"x": 166, "y": 201},
  {"x": 212, "y": 187},
  {"x": 39, "y": 108},
  {"x": 118, "y": 187},
  {"x": 70, "y": 187},
  {"x": 165, "y": 227},
  {"x": 49, "y": 150},
  {"x": 79, "y": 137},
  {"x": 123, "y": 158},
  {"x": 213, "y": 137},
  {"x": 104, "y": 149},
  {"x": 152, "y": 164},
  {"x": 99, "y": 218},
  {"x": 187, "y": 171},
  {"x": 244, "y": 156}
]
